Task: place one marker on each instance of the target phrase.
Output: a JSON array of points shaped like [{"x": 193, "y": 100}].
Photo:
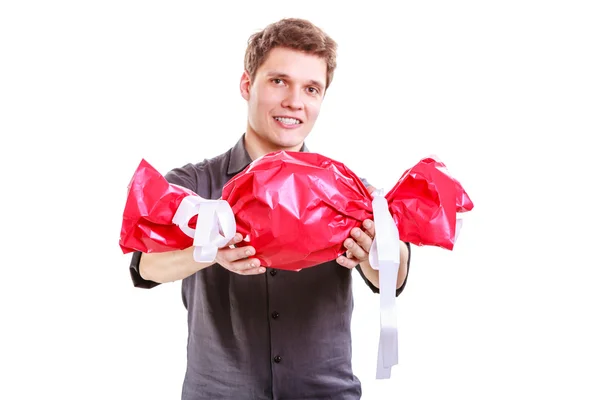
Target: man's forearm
[
  {"x": 373, "y": 275},
  {"x": 169, "y": 266}
]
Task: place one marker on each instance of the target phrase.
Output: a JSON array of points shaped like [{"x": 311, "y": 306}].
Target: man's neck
[{"x": 257, "y": 147}]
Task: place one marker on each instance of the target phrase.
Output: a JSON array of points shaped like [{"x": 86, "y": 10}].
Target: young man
[{"x": 262, "y": 333}]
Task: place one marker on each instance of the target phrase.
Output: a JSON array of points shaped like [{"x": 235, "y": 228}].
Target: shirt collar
[{"x": 240, "y": 158}]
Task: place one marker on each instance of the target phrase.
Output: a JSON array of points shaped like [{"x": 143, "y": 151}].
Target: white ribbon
[
  {"x": 385, "y": 257},
  {"x": 214, "y": 229}
]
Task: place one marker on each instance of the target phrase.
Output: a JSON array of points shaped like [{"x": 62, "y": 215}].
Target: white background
[{"x": 505, "y": 93}]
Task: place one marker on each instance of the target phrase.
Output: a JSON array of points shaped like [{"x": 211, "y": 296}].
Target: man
[{"x": 257, "y": 333}]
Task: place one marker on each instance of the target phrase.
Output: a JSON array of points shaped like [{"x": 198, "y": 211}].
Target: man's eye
[
  {"x": 313, "y": 90},
  {"x": 277, "y": 81}
]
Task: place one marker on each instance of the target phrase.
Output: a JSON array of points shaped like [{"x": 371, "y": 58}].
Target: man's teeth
[{"x": 288, "y": 121}]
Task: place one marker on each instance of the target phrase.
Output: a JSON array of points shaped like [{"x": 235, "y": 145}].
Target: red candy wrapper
[
  {"x": 148, "y": 216},
  {"x": 297, "y": 208},
  {"x": 424, "y": 204}
]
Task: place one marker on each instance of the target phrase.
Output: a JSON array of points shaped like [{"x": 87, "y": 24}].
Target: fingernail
[
  {"x": 251, "y": 265},
  {"x": 261, "y": 270},
  {"x": 356, "y": 233},
  {"x": 249, "y": 252},
  {"x": 367, "y": 224}
]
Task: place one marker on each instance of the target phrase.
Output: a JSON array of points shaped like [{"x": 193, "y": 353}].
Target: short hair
[{"x": 292, "y": 33}]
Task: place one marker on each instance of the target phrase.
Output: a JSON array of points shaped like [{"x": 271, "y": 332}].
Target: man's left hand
[{"x": 359, "y": 243}]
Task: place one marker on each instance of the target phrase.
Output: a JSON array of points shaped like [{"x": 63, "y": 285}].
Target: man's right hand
[{"x": 237, "y": 259}]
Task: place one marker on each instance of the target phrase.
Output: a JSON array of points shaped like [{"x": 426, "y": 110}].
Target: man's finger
[
  {"x": 238, "y": 253},
  {"x": 369, "y": 228},
  {"x": 252, "y": 271},
  {"x": 357, "y": 252},
  {"x": 244, "y": 265},
  {"x": 364, "y": 243},
  {"x": 346, "y": 262},
  {"x": 235, "y": 240}
]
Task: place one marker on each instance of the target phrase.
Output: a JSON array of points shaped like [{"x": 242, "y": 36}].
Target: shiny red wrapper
[
  {"x": 149, "y": 209},
  {"x": 297, "y": 208},
  {"x": 424, "y": 203}
]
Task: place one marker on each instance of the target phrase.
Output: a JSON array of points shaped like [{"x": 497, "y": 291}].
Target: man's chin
[{"x": 290, "y": 142}]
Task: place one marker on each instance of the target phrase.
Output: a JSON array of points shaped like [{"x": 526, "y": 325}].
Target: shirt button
[
  {"x": 277, "y": 359},
  {"x": 273, "y": 272},
  {"x": 275, "y": 315}
]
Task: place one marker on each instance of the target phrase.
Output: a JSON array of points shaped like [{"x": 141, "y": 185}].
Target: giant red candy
[{"x": 297, "y": 208}]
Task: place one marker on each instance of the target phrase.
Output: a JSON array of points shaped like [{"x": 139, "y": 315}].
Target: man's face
[{"x": 285, "y": 97}]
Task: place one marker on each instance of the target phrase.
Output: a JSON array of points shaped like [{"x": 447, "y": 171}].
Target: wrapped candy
[{"x": 295, "y": 208}]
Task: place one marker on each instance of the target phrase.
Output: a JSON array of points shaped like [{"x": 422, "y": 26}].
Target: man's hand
[
  {"x": 237, "y": 259},
  {"x": 359, "y": 244}
]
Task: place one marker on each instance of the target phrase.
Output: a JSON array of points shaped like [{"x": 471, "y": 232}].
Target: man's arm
[
  {"x": 169, "y": 266},
  {"x": 157, "y": 268}
]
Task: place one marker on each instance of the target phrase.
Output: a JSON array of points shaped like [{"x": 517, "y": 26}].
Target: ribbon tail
[
  {"x": 385, "y": 256},
  {"x": 388, "y": 336},
  {"x": 383, "y": 372},
  {"x": 387, "y": 355}
]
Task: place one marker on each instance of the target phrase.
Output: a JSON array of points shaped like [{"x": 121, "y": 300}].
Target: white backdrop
[{"x": 505, "y": 93}]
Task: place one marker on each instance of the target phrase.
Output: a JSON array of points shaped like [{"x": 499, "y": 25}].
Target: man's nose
[{"x": 293, "y": 99}]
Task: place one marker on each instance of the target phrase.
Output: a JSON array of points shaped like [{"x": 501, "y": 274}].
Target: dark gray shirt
[{"x": 278, "y": 335}]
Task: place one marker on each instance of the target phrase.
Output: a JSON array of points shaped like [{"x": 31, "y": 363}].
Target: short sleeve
[
  {"x": 134, "y": 271},
  {"x": 185, "y": 176}
]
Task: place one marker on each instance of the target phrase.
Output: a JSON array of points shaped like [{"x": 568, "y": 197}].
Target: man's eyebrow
[
  {"x": 317, "y": 84},
  {"x": 275, "y": 74}
]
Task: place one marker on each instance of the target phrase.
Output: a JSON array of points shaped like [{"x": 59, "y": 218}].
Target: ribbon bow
[{"x": 214, "y": 229}]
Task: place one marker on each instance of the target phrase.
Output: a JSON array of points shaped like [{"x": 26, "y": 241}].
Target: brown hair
[{"x": 291, "y": 33}]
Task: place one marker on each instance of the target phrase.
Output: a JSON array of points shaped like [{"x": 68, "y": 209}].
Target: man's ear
[{"x": 245, "y": 85}]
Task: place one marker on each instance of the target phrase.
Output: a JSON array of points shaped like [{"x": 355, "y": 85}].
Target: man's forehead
[{"x": 295, "y": 65}]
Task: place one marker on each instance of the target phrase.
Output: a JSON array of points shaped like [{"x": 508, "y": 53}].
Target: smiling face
[{"x": 284, "y": 100}]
